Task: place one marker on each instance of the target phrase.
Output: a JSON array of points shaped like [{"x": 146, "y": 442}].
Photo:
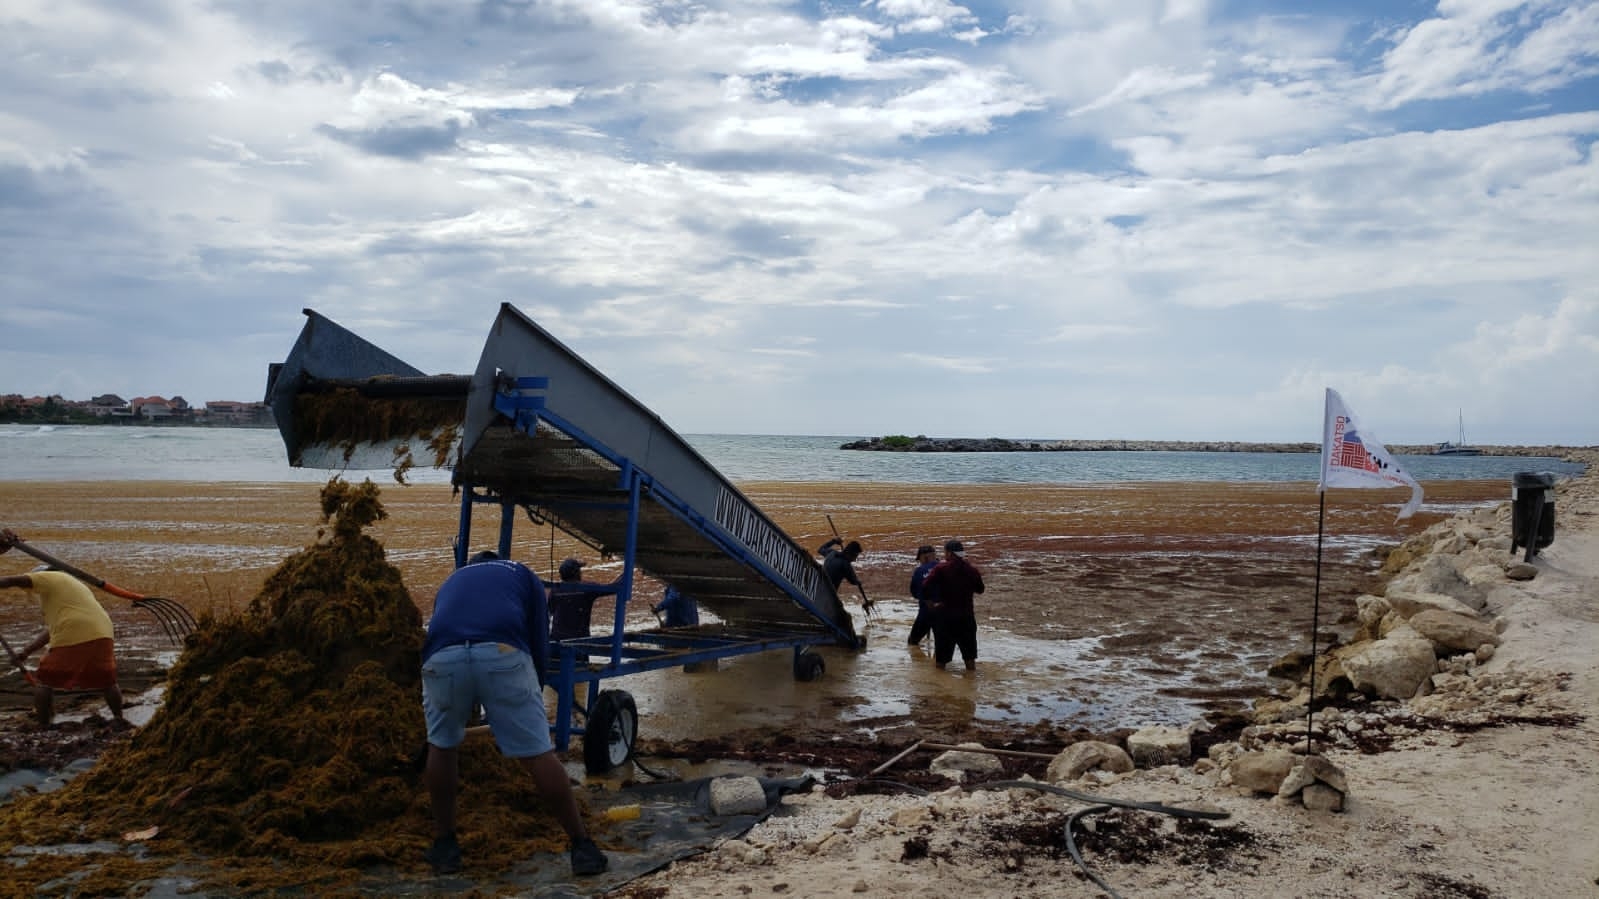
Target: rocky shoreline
[
  {"x": 898, "y": 443},
  {"x": 1449, "y": 737}
]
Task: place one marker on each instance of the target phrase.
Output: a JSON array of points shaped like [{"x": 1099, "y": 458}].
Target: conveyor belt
[{"x": 537, "y": 426}]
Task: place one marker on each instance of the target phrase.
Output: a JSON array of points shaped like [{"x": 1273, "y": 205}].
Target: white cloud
[
  {"x": 1166, "y": 219},
  {"x": 1473, "y": 48}
]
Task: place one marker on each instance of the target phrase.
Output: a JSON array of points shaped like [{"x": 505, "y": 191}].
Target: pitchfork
[{"x": 174, "y": 618}]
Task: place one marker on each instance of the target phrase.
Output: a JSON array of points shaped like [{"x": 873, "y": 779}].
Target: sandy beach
[{"x": 1183, "y": 592}]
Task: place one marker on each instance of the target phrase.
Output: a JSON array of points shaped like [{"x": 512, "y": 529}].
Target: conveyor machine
[{"x": 537, "y": 428}]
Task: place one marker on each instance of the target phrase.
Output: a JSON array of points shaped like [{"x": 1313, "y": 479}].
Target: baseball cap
[
  {"x": 924, "y": 549},
  {"x": 954, "y": 546},
  {"x": 570, "y": 568}
]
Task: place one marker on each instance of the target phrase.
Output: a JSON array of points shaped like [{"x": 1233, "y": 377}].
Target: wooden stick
[
  {"x": 1016, "y": 752},
  {"x": 904, "y": 752}
]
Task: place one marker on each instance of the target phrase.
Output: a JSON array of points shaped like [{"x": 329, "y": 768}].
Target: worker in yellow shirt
[{"x": 78, "y": 633}]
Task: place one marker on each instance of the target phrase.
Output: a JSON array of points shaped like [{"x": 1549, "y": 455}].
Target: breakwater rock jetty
[{"x": 900, "y": 443}]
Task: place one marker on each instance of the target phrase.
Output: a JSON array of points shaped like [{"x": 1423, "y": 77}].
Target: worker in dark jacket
[
  {"x": 955, "y": 620},
  {"x": 838, "y": 561},
  {"x": 839, "y": 566},
  {"x": 572, "y": 603}
]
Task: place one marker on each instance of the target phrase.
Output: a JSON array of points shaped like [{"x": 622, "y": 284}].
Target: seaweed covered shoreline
[{"x": 288, "y": 737}]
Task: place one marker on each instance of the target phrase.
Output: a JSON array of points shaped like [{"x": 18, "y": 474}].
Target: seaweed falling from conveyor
[
  {"x": 289, "y": 732},
  {"x": 346, "y": 417}
]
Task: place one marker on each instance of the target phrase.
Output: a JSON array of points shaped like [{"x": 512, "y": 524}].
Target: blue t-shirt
[
  {"x": 494, "y": 602},
  {"x": 919, "y": 582}
]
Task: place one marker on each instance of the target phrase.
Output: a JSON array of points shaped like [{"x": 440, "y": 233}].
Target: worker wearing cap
[
  {"x": 955, "y": 621},
  {"x": 78, "y": 633},
  {"x": 838, "y": 561},
  {"x": 572, "y": 603}
]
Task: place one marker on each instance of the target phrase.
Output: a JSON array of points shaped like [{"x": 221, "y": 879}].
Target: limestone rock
[
  {"x": 909, "y": 817},
  {"x": 1151, "y": 747},
  {"x": 1291, "y": 666},
  {"x": 1322, "y": 798},
  {"x": 737, "y": 796},
  {"x": 1088, "y": 755},
  {"x": 1394, "y": 667},
  {"x": 1451, "y": 632},
  {"x": 1369, "y": 612},
  {"x": 1498, "y": 543},
  {"x": 1317, "y": 783},
  {"x": 1436, "y": 573},
  {"x": 735, "y": 849},
  {"x": 1410, "y": 603},
  {"x": 1313, "y": 769},
  {"x": 1262, "y": 772},
  {"x": 1521, "y": 571},
  {"x": 956, "y": 764}
]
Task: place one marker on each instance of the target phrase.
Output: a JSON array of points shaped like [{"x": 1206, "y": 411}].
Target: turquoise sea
[{"x": 256, "y": 455}]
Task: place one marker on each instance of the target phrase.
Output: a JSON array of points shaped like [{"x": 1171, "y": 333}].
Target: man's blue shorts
[{"x": 458, "y": 678}]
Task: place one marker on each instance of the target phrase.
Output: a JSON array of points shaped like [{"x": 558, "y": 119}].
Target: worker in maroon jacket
[{"x": 954, "y": 582}]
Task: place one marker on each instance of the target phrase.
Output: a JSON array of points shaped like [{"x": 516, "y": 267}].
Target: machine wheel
[
  {"x": 610, "y": 732},
  {"x": 808, "y": 666}
]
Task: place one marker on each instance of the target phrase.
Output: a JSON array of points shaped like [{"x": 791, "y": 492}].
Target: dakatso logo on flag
[{"x": 1350, "y": 457}]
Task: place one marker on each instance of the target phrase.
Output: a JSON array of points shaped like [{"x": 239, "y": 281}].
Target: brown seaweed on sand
[{"x": 289, "y": 733}]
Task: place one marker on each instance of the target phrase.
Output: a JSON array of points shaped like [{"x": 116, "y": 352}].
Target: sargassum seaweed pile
[{"x": 291, "y": 735}]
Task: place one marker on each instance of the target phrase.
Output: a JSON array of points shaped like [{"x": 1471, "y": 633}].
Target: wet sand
[{"x": 1108, "y": 606}]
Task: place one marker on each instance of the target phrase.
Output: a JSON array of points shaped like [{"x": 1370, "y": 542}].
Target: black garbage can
[{"x": 1532, "y": 511}]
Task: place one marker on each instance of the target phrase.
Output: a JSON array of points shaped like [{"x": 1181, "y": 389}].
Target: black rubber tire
[
  {"x": 808, "y": 666},
  {"x": 610, "y": 732}
]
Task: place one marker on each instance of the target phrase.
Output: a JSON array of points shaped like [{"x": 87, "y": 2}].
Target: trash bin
[{"x": 1532, "y": 511}]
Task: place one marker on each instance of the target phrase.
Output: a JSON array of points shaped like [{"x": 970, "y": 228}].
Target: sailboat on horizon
[{"x": 1458, "y": 448}]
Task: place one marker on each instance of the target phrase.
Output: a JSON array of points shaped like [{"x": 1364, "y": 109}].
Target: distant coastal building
[
  {"x": 110, "y": 408},
  {"x": 105, "y": 405},
  {"x": 236, "y": 413},
  {"x": 154, "y": 408}
]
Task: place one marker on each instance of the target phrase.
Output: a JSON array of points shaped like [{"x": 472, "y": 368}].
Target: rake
[{"x": 175, "y": 620}]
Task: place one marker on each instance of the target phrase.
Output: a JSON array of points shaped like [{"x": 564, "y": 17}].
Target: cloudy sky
[{"x": 1038, "y": 218}]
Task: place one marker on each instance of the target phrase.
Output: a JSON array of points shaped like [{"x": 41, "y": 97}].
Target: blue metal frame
[{"x": 624, "y": 652}]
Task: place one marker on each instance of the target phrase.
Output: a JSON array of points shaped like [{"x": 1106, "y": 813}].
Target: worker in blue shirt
[
  {"x": 679, "y": 609},
  {"x": 926, "y": 561},
  {"x": 488, "y": 627}
]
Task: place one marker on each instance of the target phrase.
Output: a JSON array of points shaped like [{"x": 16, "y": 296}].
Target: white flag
[{"x": 1350, "y": 457}]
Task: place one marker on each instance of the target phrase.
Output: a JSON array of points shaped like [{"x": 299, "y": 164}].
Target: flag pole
[
  {"x": 1349, "y": 458},
  {"x": 1315, "y": 626}
]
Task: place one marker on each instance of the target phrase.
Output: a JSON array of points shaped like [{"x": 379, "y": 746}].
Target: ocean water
[{"x": 256, "y": 455}]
